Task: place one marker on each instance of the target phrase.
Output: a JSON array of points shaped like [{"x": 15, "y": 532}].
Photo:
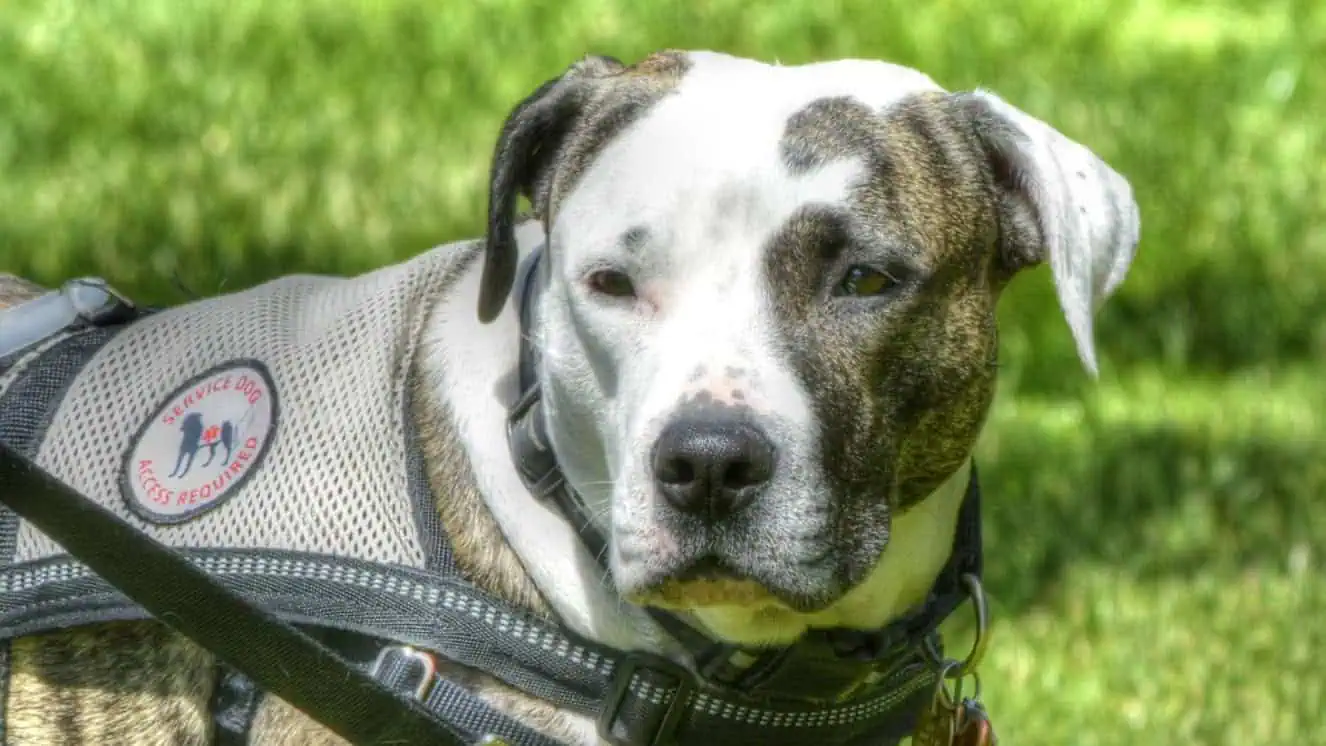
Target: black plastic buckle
[
  {"x": 523, "y": 436},
  {"x": 95, "y": 302},
  {"x": 623, "y": 674}
]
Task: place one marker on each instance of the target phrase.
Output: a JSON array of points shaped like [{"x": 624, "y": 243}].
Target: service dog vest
[{"x": 269, "y": 420}]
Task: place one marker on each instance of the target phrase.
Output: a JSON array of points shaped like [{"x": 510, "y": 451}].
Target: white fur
[{"x": 470, "y": 364}]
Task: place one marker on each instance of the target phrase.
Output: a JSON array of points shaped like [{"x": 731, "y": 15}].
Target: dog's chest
[{"x": 267, "y": 431}]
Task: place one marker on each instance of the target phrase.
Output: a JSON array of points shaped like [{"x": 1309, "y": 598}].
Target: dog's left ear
[
  {"x": 1060, "y": 203},
  {"x": 531, "y": 135}
]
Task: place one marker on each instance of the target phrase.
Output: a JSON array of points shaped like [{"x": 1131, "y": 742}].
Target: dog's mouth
[
  {"x": 712, "y": 582},
  {"x": 707, "y": 582}
]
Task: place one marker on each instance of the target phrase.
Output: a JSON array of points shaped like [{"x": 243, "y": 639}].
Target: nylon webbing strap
[{"x": 282, "y": 659}]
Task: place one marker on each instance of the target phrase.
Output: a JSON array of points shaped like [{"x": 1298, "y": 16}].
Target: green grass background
[{"x": 1156, "y": 539}]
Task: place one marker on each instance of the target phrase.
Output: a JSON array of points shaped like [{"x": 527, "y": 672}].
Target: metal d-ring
[
  {"x": 967, "y": 666},
  {"x": 977, "y": 593}
]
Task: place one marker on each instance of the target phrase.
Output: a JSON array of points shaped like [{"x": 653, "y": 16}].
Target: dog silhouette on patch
[{"x": 194, "y": 437}]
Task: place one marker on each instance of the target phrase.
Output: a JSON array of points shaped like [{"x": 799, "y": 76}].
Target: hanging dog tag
[
  {"x": 935, "y": 727},
  {"x": 946, "y": 724},
  {"x": 939, "y": 721},
  {"x": 972, "y": 727}
]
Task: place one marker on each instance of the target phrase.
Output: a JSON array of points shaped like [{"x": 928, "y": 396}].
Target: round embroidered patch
[{"x": 201, "y": 444}]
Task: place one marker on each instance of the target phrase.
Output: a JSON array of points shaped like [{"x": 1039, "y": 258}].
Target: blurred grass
[{"x": 1155, "y": 539}]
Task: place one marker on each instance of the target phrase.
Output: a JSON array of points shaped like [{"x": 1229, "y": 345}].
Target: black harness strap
[{"x": 280, "y": 658}]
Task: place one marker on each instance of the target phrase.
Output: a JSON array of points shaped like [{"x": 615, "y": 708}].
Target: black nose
[{"x": 712, "y": 467}]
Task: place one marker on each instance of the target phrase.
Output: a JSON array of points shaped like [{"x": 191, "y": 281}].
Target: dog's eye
[
  {"x": 612, "y": 283},
  {"x": 863, "y": 281}
]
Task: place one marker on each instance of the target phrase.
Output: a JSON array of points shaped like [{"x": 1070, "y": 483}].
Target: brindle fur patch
[
  {"x": 15, "y": 290},
  {"x": 124, "y": 683},
  {"x": 477, "y": 543},
  {"x": 278, "y": 723},
  {"x": 905, "y": 378},
  {"x": 482, "y": 554}
]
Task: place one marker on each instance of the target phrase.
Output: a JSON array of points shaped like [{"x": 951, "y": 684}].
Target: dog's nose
[{"x": 712, "y": 467}]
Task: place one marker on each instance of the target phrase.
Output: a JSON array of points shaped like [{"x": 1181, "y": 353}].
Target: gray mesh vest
[{"x": 265, "y": 432}]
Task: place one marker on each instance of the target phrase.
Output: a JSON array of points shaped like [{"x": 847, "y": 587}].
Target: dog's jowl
[{"x": 724, "y": 384}]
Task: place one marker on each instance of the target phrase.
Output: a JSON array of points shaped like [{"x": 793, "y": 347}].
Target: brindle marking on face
[
  {"x": 635, "y": 239},
  {"x": 707, "y": 403},
  {"x": 705, "y": 389},
  {"x": 906, "y": 378}
]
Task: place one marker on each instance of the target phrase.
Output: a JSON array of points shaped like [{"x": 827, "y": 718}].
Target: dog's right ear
[{"x": 526, "y": 148}]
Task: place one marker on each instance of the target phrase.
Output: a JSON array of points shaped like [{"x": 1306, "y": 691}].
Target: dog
[
  {"x": 194, "y": 438},
  {"x": 768, "y": 345}
]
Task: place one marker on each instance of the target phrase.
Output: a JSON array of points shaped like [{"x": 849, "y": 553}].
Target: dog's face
[{"x": 769, "y": 329}]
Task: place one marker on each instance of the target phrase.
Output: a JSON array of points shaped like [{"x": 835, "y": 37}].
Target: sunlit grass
[{"x": 1155, "y": 539}]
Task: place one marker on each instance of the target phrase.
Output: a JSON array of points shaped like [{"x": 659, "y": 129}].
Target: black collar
[{"x": 824, "y": 662}]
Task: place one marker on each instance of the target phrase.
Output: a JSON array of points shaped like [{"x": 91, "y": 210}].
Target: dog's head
[{"x": 769, "y": 329}]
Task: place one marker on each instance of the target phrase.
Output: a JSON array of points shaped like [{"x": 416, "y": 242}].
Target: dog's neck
[{"x": 474, "y": 368}]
